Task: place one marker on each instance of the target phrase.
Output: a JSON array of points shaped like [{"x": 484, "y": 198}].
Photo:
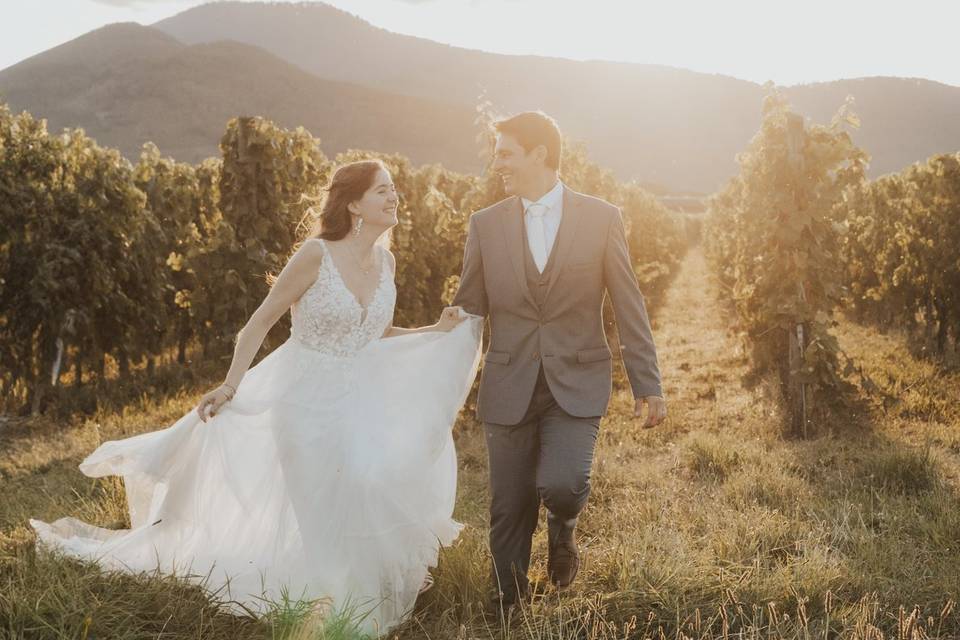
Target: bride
[{"x": 327, "y": 472}]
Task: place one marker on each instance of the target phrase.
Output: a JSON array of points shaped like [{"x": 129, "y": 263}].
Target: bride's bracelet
[{"x": 232, "y": 388}]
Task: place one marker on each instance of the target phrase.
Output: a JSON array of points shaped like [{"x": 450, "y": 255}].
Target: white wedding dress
[{"x": 330, "y": 474}]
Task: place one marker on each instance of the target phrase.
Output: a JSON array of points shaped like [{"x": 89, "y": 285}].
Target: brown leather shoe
[{"x": 563, "y": 560}]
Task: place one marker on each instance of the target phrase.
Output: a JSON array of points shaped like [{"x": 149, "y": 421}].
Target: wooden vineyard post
[
  {"x": 250, "y": 161},
  {"x": 797, "y": 392}
]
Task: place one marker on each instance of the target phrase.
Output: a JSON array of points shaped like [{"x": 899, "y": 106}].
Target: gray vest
[{"x": 536, "y": 281}]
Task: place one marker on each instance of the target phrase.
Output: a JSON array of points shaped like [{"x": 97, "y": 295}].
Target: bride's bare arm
[
  {"x": 447, "y": 319},
  {"x": 295, "y": 278}
]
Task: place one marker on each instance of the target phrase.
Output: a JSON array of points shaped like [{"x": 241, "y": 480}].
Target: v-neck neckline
[{"x": 363, "y": 309}]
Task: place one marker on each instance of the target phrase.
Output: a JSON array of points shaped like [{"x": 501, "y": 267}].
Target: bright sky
[{"x": 789, "y": 42}]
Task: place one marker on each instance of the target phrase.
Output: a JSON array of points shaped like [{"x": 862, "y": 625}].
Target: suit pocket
[
  {"x": 593, "y": 355},
  {"x": 498, "y": 357}
]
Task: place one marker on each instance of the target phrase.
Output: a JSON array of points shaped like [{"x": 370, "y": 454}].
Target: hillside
[
  {"x": 355, "y": 85},
  {"x": 126, "y": 84},
  {"x": 656, "y": 123}
]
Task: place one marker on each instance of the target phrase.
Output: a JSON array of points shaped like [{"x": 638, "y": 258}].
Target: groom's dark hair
[{"x": 533, "y": 128}]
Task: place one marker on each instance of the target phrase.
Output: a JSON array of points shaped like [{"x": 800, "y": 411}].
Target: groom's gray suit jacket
[{"x": 565, "y": 332}]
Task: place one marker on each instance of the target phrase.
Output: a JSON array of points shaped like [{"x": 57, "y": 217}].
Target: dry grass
[{"x": 709, "y": 526}]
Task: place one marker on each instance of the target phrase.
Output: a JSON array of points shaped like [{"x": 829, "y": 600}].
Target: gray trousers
[{"x": 545, "y": 457}]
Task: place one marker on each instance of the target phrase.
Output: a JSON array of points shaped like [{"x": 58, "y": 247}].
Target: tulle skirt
[{"x": 323, "y": 478}]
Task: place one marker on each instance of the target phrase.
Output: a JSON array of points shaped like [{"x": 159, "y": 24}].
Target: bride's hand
[
  {"x": 213, "y": 400},
  {"x": 449, "y": 319}
]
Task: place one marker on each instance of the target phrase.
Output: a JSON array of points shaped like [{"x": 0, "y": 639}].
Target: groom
[{"x": 538, "y": 264}]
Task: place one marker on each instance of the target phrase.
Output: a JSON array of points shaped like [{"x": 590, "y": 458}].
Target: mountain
[
  {"x": 126, "y": 83},
  {"x": 656, "y": 123},
  {"x": 358, "y": 86},
  {"x": 903, "y": 120}
]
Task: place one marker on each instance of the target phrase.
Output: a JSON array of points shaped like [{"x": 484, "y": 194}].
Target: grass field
[{"x": 711, "y": 525}]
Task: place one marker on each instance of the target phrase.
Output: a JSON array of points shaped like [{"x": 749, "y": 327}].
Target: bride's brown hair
[{"x": 348, "y": 184}]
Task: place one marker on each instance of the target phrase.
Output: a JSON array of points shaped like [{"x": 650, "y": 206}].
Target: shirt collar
[{"x": 551, "y": 199}]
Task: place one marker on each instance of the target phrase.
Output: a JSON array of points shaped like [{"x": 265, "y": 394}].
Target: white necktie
[{"x": 538, "y": 239}]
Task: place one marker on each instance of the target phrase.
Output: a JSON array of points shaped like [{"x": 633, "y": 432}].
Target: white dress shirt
[{"x": 552, "y": 201}]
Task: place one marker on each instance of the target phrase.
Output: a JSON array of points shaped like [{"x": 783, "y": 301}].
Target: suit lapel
[
  {"x": 565, "y": 236},
  {"x": 512, "y": 224}
]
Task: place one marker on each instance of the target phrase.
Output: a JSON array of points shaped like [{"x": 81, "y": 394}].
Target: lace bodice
[{"x": 329, "y": 318}]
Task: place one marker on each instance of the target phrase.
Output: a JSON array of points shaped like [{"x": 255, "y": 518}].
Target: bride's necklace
[{"x": 363, "y": 269}]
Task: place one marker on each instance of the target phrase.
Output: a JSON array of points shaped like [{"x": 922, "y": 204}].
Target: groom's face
[{"x": 515, "y": 166}]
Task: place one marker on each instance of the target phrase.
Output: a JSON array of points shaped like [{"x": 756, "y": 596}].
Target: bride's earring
[{"x": 356, "y": 227}]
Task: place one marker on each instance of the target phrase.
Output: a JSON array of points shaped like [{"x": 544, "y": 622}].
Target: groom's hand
[
  {"x": 449, "y": 318},
  {"x": 656, "y": 412}
]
